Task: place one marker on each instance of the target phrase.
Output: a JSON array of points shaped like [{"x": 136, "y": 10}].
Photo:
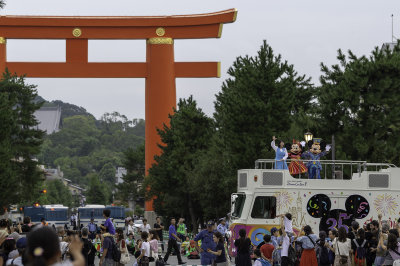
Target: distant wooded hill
[{"x": 86, "y": 148}]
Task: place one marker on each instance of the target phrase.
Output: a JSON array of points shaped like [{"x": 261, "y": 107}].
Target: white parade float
[{"x": 347, "y": 191}]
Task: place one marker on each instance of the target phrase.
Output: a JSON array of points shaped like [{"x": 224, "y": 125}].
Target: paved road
[{"x": 172, "y": 260}]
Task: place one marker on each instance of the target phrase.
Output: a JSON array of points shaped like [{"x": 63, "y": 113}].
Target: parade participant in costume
[
  {"x": 296, "y": 166},
  {"x": 318, "y": 148},
  {"x": 280, "y": 154}
]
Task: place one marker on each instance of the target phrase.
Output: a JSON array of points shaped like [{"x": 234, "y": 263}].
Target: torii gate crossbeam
[{"x": 159, "y": 70}]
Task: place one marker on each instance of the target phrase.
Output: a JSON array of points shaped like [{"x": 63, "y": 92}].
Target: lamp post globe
[{"x": 308, "y": 136}]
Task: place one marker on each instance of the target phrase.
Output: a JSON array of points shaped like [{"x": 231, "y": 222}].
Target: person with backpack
[
  {"x": 308, "y": 243},
  {"x": 359, "y": 247},
  {"x": 322, "y": 250},
  {"x": 341, "y": 246},
  {"x": 109, "y": 247},
  {"x": 259, "y": 260}
]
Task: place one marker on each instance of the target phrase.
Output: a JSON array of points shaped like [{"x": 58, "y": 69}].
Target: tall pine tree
[
  {"x": 21, "y": 140},
  {"x": 359, "y": 103},
  {"x": 171, "y": 180}
]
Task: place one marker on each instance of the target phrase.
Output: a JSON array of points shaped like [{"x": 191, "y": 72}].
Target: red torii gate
[{"x": 160, "y": 68}]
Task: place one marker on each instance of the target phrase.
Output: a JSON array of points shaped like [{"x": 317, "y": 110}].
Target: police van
[{"x": 347, "y": 191}]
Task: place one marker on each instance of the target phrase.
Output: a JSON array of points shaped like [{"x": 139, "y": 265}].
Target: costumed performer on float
[
  {"x": 296, "y": 166},
  {"x": 318, "y": 148},
  {"x": 281, "y": 154}
]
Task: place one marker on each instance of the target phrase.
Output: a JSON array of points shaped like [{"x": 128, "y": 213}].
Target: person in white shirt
[
  {"x": 285, "y": 245},
  {"x": 287, "y": 221},
  {"x": 259, "y": 260},
  {"x": 341, "y": 246},
  {"x": 143, "y": 259},
  {"x": 131, "y": 228},
  {"x": 145, "y": 227}
]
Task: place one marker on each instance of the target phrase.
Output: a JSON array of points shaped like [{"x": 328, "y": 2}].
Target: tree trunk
[{"x": 192, "y": 215}]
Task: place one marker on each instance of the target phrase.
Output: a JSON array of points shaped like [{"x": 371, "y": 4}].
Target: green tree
[
  {"x": 107, "y": 174},
  {"x": 97, "y": 192},
  {"x": 57, "y": 193},
  {"x": 358, "y": 103},
  {"x": 131, "y": 190},
  {"x": 170, "y": 180},
  {"x": 21, "y": 138},
  {"x": 264, "y": 96}
]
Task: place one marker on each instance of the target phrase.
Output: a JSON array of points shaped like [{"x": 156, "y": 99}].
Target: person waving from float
[{"x": 281, "y": 154}]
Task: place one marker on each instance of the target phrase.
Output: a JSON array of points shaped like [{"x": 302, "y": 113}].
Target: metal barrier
[{"x": 332, "y": 169}]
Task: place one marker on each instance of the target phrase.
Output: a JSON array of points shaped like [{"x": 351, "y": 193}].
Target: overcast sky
[{"x": 305, "y": 32}]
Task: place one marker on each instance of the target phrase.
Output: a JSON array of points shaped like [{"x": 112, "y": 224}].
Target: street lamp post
[{"x": 308, "y": 136}]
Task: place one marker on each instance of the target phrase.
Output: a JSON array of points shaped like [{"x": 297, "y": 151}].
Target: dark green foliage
[
  {"x": 57, "y": 193},
  {"x": 359, "y": 103},
  {"x": 172, "y": 178},
  {"x": 264, "y": 96},
  {"x": 130, "y": 189},
  {"x": 97, "y": 193},
  {"x": 20, "y": 141}
]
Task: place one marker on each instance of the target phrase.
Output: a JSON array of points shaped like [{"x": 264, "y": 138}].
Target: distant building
[
  {"x": 49, "y": 119},
  {"x": 119, "y": 174},
  {"x": 76, "y": 191}
]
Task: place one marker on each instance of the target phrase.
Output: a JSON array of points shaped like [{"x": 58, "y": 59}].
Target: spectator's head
[
  {"x": 21, "y": 245},
  {"x": 85, "y": 232},
  {"x": 218, "y": 238},
  {"x": 27, "y": 220},
  {"x": 375, "y": 225},
  {"x": 9, "y": 245},
  {"x": 333, "y": 234},
  {"x": 361, "y": 234},
  {"x": 106, "y": 213},
  {"x": 395, "y": 232},
  {"x": 60, "y": 231},
  {"x": 3, "y": 224},
  {"x": 368, "y": 227},
  {"x": 131, "y": 222},
  {"x": 210, "y": 226},
  {"x": 307, "y": 230},
  {"x": 92, "y": 220},
  {"x": 288, "y": 216},
  {"x": 158, "y": 219},
  {"x": 257, "y": 253},
  {"x": 43, "y": 220},
  {"x": 144, "y": 236},
  {"x": 130, "y": 235},
  {"x": 173, "y": 221},
  {"x": 154, "y": 235},
  {"x": 43, "y": 247},
  {"x": 342, "y": 234},
  {"x": 242, "y": 233},
  {"x": 120, "y": 234},
  {"x": 355, "y": 225},
  {"x": 385, "y": 228},
  {"x": 267, "y": 238},
  {"x": 322, "y": 237},
  {"x": 274, "y": 231},
  {"x": 144, "y": 221}
]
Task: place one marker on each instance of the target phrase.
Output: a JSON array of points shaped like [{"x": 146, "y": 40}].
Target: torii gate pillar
[
  {"x": 161, "y": 74},
  {"x": 159, "y": 70}
]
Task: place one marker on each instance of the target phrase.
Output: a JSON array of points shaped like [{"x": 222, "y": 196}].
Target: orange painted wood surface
[
  {"x": 47, "y": 32},
  {"x": 108, "y": 70},
  {"x": 225, "y": 16}
]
